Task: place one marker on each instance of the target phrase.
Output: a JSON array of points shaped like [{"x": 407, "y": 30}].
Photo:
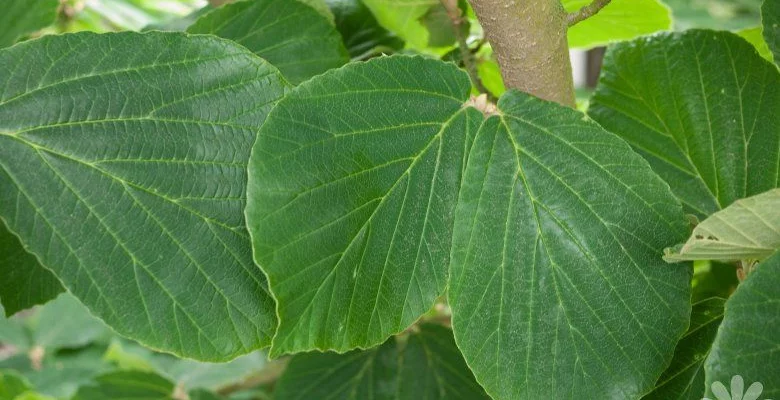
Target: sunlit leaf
[{"x": 619, "y": 20}]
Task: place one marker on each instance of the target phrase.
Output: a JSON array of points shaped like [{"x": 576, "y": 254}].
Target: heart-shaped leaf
[
  {"x": 702, "y": 108},
  {"x": 352, "y": 185},
  {"x": 291, "y": 35},
  {"x": 557, "y": 285},
  {"x": 123, "y": 170}
]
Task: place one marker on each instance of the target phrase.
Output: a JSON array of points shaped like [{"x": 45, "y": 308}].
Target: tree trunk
[{"x": 529, "y": 41}]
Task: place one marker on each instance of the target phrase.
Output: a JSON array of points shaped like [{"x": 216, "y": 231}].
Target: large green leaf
[
  {"x": 557, "y": 285},
  {"x": 427, "y": 365},
  {"x": 352, "y": 185},
  {"x": 23, "y": 281},
  {"x": 747, "y": 341},
  {"x": 403, "y": 17},
  {"x": 23, "y": 17},
  {"x": 361, "y": 32},
  {"x": 755, "y": 37},
  {"x": 122, "y": 168},
  {"x": 748, "y": 229},
  {"x": 770, "y": 19},
  {"x": 701, "y": 107},
  {"x": 291, "y": 35},
  {"x": 684, "y": 379},
  {"x": 619, "y": 20}
]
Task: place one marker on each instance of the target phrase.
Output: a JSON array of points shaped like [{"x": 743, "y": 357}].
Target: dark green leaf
[
  {"x": 23, "y": 17},
  {"x": 353, "y": 182},
  {"x": 361, "y": 32},
  {"x": 23, "y": 281},
  {"x": 127, "y": 385},
  {"x": 747, "y": 341},
  {"x": 425, "y": 366},
  {"x": 557, "y": 285},
  {"x": 770, "y": 19},
  {"x": 122, "y": 168},
  {"x": 702, "y": 108},
  {"x": 684, "y": 379},
  {"x": 291, "y": 35}
]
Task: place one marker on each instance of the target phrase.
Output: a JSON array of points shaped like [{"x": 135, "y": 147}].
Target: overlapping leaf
[
  {"x": 749, "y": 229},
  {"x": 353, "y": 182},
  {"x": 619, "y": 20},
  {"x": 23, "y": 17},
  {"x": 122, "y": 168},
  {"x": 747, "y": 341},
  {"x": 426, "y": 365},
  {"x": 294, "y": 37},
  {"x": 702, "y": 108},
  {"x": 23, "y": 281},
  {"x": 684, "y": 379},
  {"x": 128, "y": 385},
  {"x": 557, "y": 287}
]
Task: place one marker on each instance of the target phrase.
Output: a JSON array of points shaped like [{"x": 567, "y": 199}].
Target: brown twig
[
  {"x": 466, "y": 56},
  {"x": 586, "y": 12}
]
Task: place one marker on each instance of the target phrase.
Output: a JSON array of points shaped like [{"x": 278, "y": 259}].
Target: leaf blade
[
  {"x": 543, "y": 262},
  {"x": 114, "y": 215}
]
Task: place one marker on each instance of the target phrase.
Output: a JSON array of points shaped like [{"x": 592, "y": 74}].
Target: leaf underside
[
  {"x": 122, "y": 168},
  {"x": 748, "y": 229},
  {"x": 701, "y": 107}
]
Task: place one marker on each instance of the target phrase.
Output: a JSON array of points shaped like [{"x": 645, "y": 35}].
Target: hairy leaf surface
[
  {"x": 427, "y": 365},
  {"x": 619, "y": 20},
  {"x": 122, "y": 168},
  {"x": 749, "y": 229},
  {"x": 294, "y": 37},
  {"x": 746, "y": 343},
  {"x": 352, "y": 188},
  {"x": 557, "y": 285},
  {"x": 684, "y": 378},
  {"x": 701, "y": 107}
]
